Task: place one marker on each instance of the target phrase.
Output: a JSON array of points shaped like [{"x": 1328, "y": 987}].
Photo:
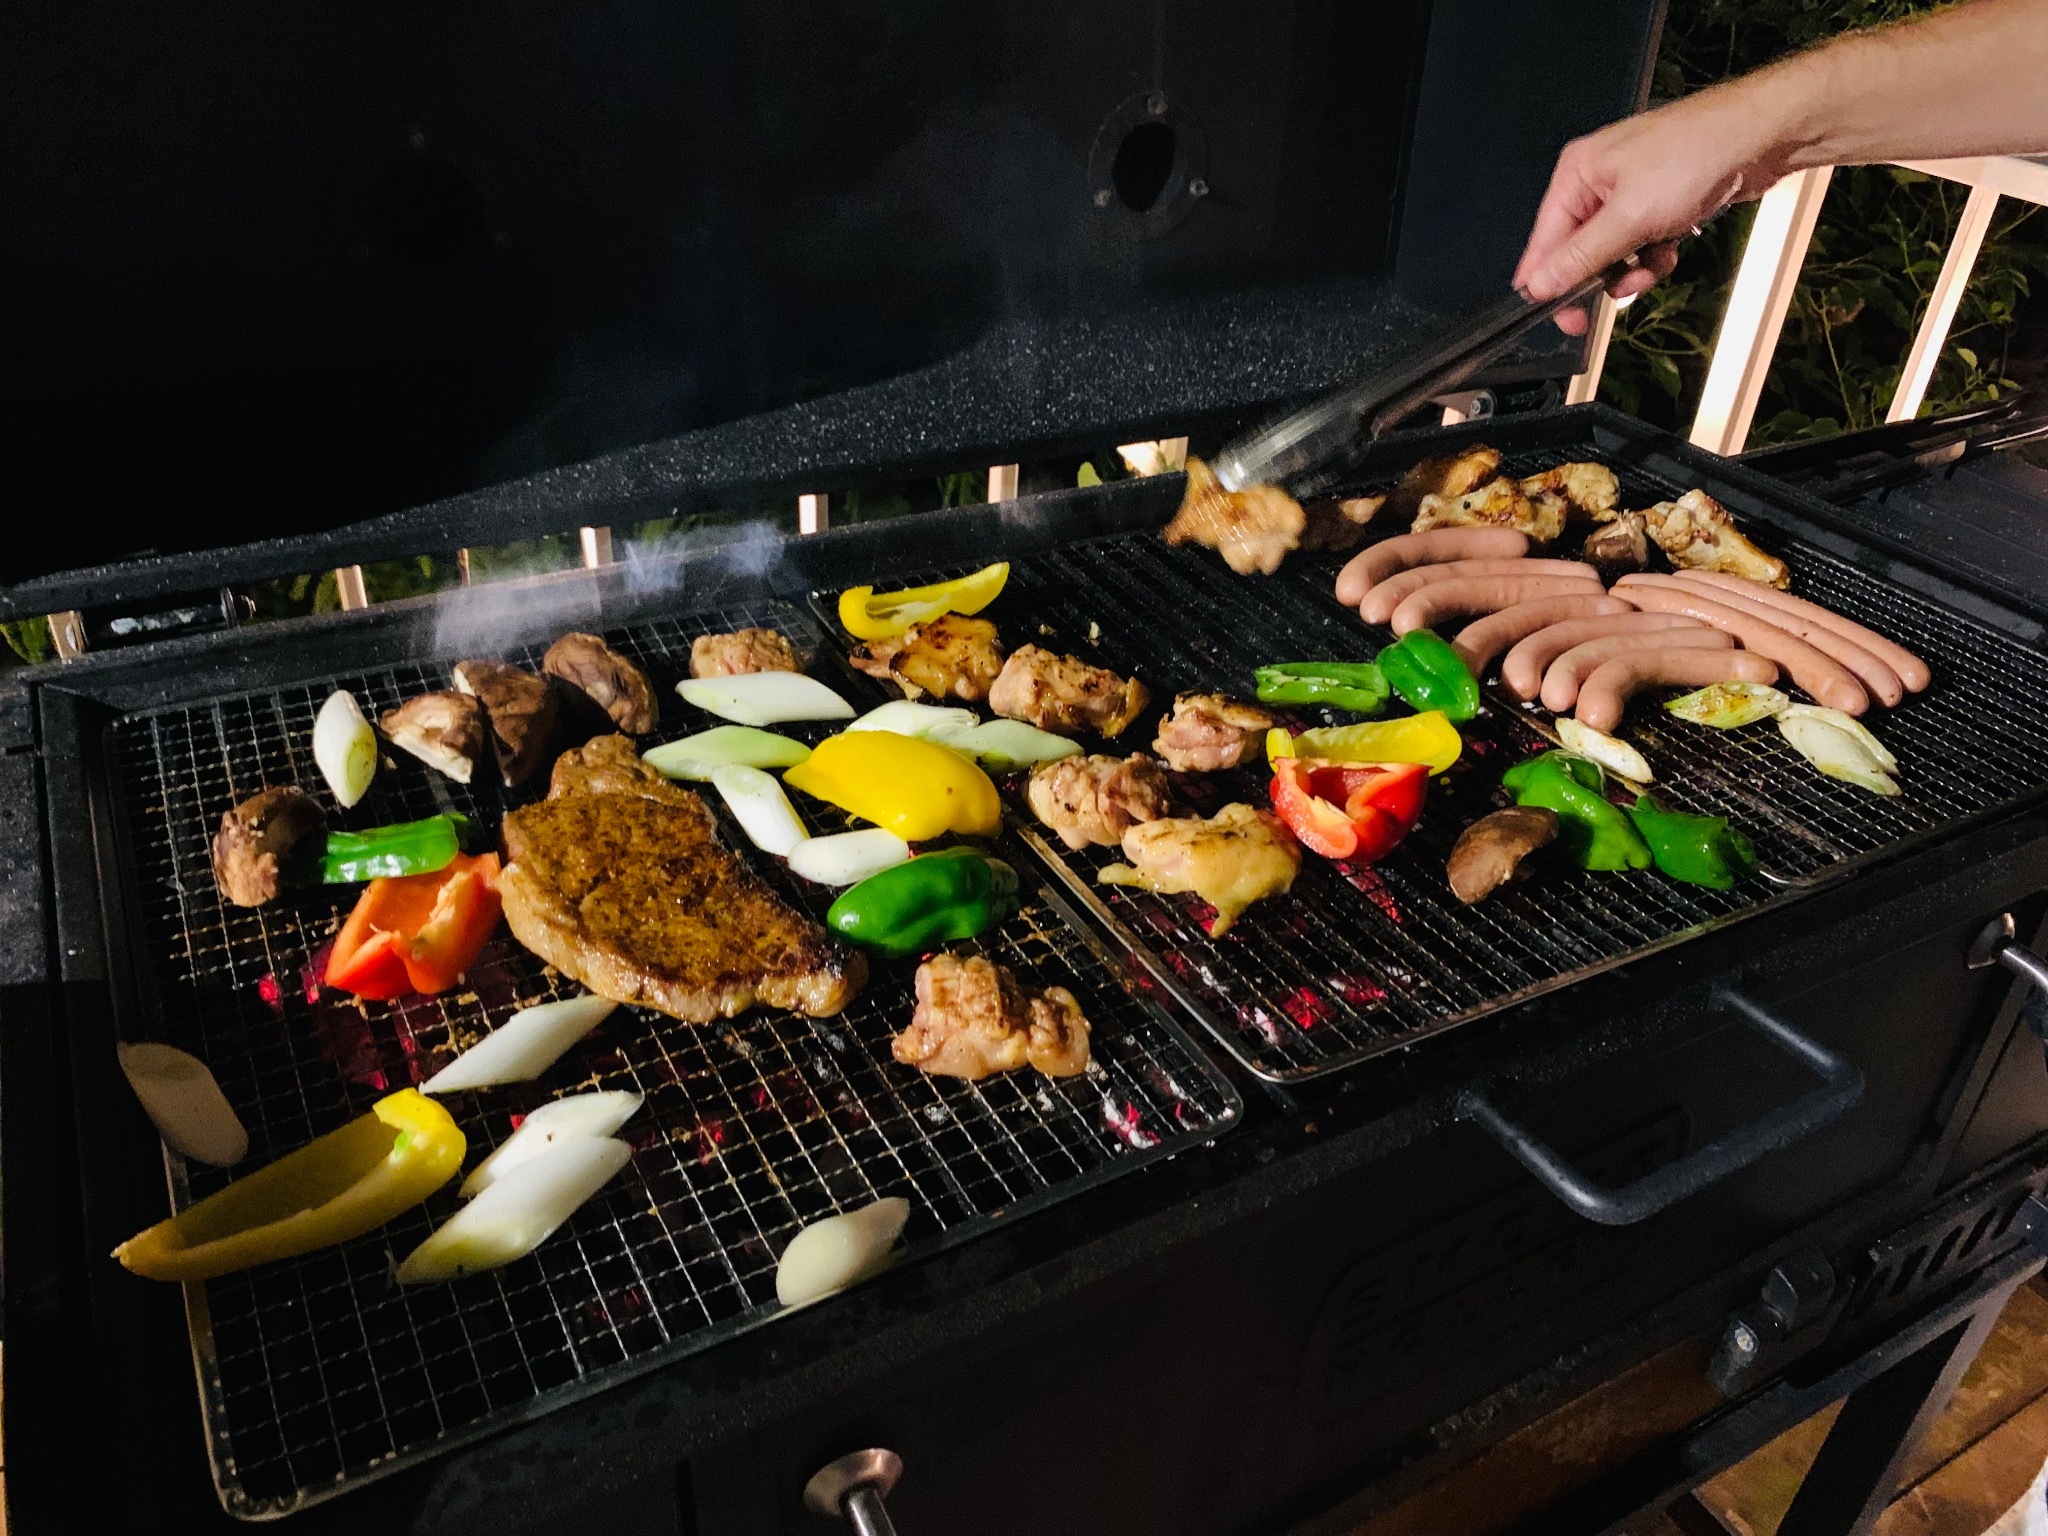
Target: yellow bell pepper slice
[
  {"x": 871, "y": 615},
  {"x": 1428, "y": 738},
  {"x": 917, "y": 789},
  {"x": 348, "y": 1182}
]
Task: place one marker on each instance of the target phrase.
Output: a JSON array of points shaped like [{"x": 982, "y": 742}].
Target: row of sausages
[{"x": 1567, "y": 640}]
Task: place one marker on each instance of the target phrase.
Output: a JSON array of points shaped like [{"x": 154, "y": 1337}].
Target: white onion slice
[
  {"x": 764, "y": 698},
  {"x": 832, "y": 1254},
  {"x": 906, "y": 717},
  {"x": 1843, "y": 721},
  {"x": 522, "y": 1047},
  {"x": 1003, "y": 746},
  {"x": 695, "y": 756},
  {"x": 1838, "y": 753},
  {"x": 344, "y": 747},
  {"x": 518, "y": 1213},
  {"x": 847, "y": 858},
  {"x": 580, "y": 1117},
  {"x": 760, "y": 807},
  {"x": 184, "y": 1103},
  {"x": 1610, "y": 752}
]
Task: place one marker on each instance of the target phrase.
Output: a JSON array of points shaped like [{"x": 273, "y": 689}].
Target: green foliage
[
  {"x": 28, "y": 639},
  {"x": 1875, "y": 256}
]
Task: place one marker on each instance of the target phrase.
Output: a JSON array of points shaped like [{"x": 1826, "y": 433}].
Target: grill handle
[
  {"x": 1997, "y": 946},
  {"x": 853, "y": 1488},
  {"x": 1841, "y": 1086}
]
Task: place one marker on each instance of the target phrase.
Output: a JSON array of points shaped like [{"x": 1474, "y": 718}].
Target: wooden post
[
  {"x": 813, "y": 513},
  {"x": 597, "y": 547},
  {"x": 1586, "y": 386},
  {"x": 67, "y": 634},
  {"x": 348, "y": 585},
  {"x": 1756, "y": 309},
  {"x": 1002, "y": 482},
  {"x": 1941, "y": 304}
]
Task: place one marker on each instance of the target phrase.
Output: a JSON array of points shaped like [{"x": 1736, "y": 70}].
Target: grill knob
[{"x": 853, "y": 1488}]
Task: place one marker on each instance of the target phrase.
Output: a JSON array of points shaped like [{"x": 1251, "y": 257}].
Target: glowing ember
[
  {"x": 1359, "y": 991},
  {"x": 1124, "y": 1124},
  {"x": 1253, "y": 1017},
  {"x": 518, "y": 1121},
  {"x": 1306, "y": 1006},
  {"x": 271, "y": 992},
  {"x": 709, "y": 1134},
  {"x": 310, "y": 974},
  {"x": 1369, "y": 884}
]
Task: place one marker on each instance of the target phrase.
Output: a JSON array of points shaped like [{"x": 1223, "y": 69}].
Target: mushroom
[
  {"x": 260, "y": 838},
  {"x": 1492, "y": 851},
  {"x": 620, "y": 688},
  {"x": 1618, "y": 547},
  {"x": 524, "y": 712},
  {"x": 444, "y": 730}
]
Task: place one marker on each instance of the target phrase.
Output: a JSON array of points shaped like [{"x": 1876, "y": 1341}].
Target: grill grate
[
  {"x": 319, "y": 1372},
  {"x": 1358, "y": 961}
]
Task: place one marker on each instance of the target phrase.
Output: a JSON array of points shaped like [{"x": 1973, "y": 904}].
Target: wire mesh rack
[
  {"x": 319, "y": 1372},
  {"x": 1359, "y": 960}
]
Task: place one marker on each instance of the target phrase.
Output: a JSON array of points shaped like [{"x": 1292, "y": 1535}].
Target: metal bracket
[
  {"x": 853, "y": 1488},
  {"x": 1799, "y": 1305},
  {"x": 1995, "y": 944}
]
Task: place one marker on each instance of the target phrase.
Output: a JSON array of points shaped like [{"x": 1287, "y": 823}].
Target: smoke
[{"x": 705, "y": 564}]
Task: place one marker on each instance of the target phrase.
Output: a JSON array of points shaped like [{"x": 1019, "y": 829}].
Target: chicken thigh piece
[
  {"x": 744, "y": 650},
  {"x": 1097, "y": 799},
  {"x": 974, "y": 1019},
  {"x": 1499, "y": 503},
  {"x": 1236, "y": 857},
  {"x": 1697, "y": 533},
  {"x": 952, "y": 656},
  {"x": 1065, "y": 695},
  {"x": 1208, "y": 731},
  {"x": 1253, "y": 529}
]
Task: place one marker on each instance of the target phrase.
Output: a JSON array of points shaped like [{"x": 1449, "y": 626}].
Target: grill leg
[{"x": 1881, "y": 1424}]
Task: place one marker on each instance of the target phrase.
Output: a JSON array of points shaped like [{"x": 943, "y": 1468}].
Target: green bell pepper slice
[
  {"x": 955, "y": 893},
  {"x": 1591, "y": 828},
  {"x": 407, "y": 848},
  {"x": 1699, "y": 850},
  {"x": 1355, "y": 685},
  {"x": 1424, "y": 670}
]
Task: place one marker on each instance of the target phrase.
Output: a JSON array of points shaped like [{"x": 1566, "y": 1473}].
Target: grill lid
[{"x": 760, "y": 248}]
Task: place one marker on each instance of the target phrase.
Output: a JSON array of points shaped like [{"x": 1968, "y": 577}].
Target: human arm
[{"x": 1965, "y": 81}]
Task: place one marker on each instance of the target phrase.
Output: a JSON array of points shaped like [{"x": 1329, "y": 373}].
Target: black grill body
[{"x": 1332, "y": 1282}]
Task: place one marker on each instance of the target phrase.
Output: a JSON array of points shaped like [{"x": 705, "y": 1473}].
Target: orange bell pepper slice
[{"x": 417, "y": 933}]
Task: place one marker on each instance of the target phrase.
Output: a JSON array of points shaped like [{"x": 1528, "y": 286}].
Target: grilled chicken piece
[
  {"x": 1238, "y": 856},
  {"x": 953, "y": 656},
  {"x": 975, "y": 1019},
  {"x": 618, "y": 880},
  {"x": 1618, "y": 547},
  {"x": 1252, "y": 529},
  {"x": 1698, "y": 534},
  {"x": 1097, "y": 799},
  {"x": 443, "y": 729},
  {"x": 613, "y": 683},
  {"x": 744, "y": 650},
  {"x": 1208, "y": 731},
  {"x": 1587, "y": 489},
  {"x": 1499, "y": 503},
  {"x": 524, "y": 711},
  {"x": 1338, "y": 525},
  {"x": 1065, "y": 695},
  {"x": 1453, "y": 474},
  {"x": 261, "y": 839}
]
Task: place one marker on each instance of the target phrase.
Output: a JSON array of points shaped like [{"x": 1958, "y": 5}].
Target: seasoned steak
[{"x": 618, "y": 879}]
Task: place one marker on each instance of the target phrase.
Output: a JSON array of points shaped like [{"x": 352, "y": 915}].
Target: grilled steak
[{"x": 618, "y": 879}]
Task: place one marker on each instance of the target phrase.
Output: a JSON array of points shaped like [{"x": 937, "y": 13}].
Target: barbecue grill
[{"x": 1315, "y": 1226}]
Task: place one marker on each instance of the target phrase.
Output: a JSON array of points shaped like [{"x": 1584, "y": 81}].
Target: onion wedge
[
  {"x": 184, "y": 1103},
  {"x": 694, "y": 757},
  {"x": 764, "y": 698},
  {"x": 1004, "y": 746},
  {"x": 518, "y": 1213},
  {"x": 522, "y": 1047},
  {"x": 1839, "y": 753},
  {"x": 847, "y": 858},
  {"x": 344, "y": 747},
  {"x": 760, "y": 807},
  {"x": 831, "y": 1254},
  {"x": 1610, "y": 752},
  {"x": 580, "y": 1117},
  {"x": 906, "y": 717}
]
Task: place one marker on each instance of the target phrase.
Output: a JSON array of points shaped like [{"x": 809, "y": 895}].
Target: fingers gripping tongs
[{"x": 1306, "y": 451}]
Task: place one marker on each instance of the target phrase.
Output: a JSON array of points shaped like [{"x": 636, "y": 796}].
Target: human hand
[{"x": 1639, "y": 184}]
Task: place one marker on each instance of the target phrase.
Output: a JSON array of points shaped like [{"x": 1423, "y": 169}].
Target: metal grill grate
[
  {"x": 1358, "y": 961},
  {"x": 319, "y": 1372}
]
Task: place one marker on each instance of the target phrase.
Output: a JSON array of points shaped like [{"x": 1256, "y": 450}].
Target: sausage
[
  {"x": 1523, "y": 667},
  {"x": 1871, "y": 670},
  {"x": 1483, "y": 594},
  {"x": 1483, "y": 639},
  {"x": 1822, "y": 676},
  {"x": 1911, "y": 669},
  {"x": 1369, "y": 568},
  {"x": 1379, "y": 604},
  {"x": 1604, "y": 696},
  {"x": 1567, "y": 674}
]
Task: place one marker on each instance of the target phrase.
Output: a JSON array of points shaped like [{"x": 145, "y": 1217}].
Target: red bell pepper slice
[
  {"x": 417, "y": 933},
  {"x": 1354, "y": 811}
]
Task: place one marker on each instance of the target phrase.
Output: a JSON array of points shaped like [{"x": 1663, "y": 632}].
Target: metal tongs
[{"x": 1327, "y": 435}]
